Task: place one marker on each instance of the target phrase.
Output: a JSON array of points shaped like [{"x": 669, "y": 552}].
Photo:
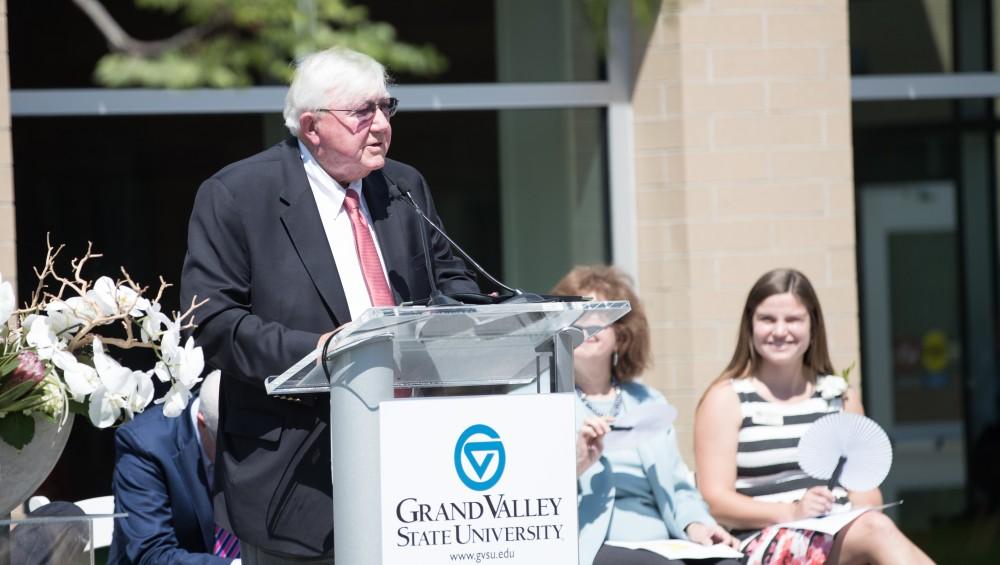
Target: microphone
[{"x": 518, "y": 295}]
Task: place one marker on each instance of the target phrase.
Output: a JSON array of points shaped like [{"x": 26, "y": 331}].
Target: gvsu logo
[{"x": 479, "y": 457}]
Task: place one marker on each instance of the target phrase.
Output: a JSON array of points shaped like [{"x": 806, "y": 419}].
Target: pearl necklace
[{"x": 616, "y": 406}]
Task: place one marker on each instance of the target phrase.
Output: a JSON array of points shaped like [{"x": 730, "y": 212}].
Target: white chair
[{"x": 103, "y": 527}]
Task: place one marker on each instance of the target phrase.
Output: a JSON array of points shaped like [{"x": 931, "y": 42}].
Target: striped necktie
[{"x": 226, "y": 544}]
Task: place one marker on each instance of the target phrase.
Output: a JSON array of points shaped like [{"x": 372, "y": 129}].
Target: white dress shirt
[{"x": 329, "y": 195}]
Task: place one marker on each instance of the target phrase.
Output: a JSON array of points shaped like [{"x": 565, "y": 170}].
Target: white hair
[
  {"x": 337, "y": 76},
  {"x": 208, "y": 407}
]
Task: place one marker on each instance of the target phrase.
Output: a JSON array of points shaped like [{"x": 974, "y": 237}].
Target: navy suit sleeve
[
  {"x": 146, "y": 536},
  {"x": 217, "y": 267}
]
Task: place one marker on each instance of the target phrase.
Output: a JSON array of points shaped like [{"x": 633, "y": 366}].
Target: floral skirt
[{"x": 784, "y": 546}]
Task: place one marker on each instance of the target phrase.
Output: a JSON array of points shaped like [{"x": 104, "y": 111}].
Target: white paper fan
[{"x": 859, "y": 440}]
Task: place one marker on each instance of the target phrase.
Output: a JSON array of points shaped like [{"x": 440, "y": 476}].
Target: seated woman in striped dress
[{"x": 748, "y": 425}]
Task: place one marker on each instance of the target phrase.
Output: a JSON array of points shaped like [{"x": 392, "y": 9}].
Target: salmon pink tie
[{"x": 371, "y": 267}]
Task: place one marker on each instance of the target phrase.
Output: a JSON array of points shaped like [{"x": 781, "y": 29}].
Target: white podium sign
[{"x": 478, "y": 479}]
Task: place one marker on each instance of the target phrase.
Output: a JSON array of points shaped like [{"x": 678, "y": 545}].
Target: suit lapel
[
  {"x": 305, "y": 228},
  {"x": 187, "y": 459},
  {"x": 388, "y": 226}
]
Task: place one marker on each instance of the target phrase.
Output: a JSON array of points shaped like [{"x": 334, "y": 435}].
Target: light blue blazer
[{"x": 678, "y": 500}]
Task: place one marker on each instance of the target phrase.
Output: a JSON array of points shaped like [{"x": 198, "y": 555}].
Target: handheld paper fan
[{"x": 848, "y": 449}]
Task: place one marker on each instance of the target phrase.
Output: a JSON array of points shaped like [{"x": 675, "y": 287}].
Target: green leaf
[
  {"x": 16, "y": 391},
  {"x": 17, "y": 430},
  {"x": 82, "y": 408},
  {"x": 9, "y": 363}
]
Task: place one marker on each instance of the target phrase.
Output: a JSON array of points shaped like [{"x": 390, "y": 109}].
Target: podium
[{"x": 432, "y": 351}]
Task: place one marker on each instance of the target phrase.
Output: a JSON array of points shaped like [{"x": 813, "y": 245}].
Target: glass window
[{"x": 901, "y": 36}]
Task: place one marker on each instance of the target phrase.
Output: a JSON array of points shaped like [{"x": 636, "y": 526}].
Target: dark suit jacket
[
  {"x": 160, "y": 481},
  {"x": 257, "y": 250}
]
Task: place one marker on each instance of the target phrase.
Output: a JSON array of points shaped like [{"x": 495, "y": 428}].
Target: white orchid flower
[
  {"x": 104, "y": 408},
  {"x": 80, "y": 379},
  {"x": 139, "y": 398},
  {"x": 41, "y": 337},
  {"x": 180, "y": 364},
  {"x": 175, "y": 400},
  {"x": 117, "y": 380},
  {"x": 152, "y": 323},
  {"x": 128, "y": 301},
  {"x": 8, "y": 302},
  {"x": 82, "y": 308},
  {"x": 62, "y": 317},
  {"x": 103, "y": 296}
]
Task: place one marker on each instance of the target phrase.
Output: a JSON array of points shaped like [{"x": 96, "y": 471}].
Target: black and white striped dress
[{"x": 767, "y": 466}]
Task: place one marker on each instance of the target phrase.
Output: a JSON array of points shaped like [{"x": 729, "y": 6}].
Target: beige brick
[
  {"x": 838, "y": 301},
  {"x": 806, "y": 28},
  {"x": 843, "y": 265},
  {"x": 659, "y": 239},
  {"x": 666, "y": 274},
  {"x": 842, "y": 333},
  {"x": 672, "y": 133},
  {"x": 650, "y": 169},
  {"x": 805, "y": 234},
  {"x": 8, "y": 262},
  {"x": 837, "y": 128},
  {"x": 668, "y": 204},
  {"x": 736, "y": 165},
  {"x": 6, "y": 153},
  {"x": 760, "y": 131},
  {"x": 822, "y": 6},
  {"x": 740, "y": 272},
  {"x": 647, "y": 102},
  {"x": 673, "y": 66},
  {"x": 799, "y": 63},
  {"x": 7, "y": 232},
  {"x": 772, "y": 200},
  {"x": 6, "y": 183},
  {"x": 833, "y": 94},
  {"x": 721, "y": 97},
  {"x": 825, "y": 163},
  {"x": 837, "y": 60},
  {"x": 714, "y": 29},
  {"x": 840, "y": 199},
  {"x": 728, "y": 236}
]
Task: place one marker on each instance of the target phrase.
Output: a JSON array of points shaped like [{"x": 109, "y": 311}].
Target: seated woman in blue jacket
[{"x": 634, "y": 494}]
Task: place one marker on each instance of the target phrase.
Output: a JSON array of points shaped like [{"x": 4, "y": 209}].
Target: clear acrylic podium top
[{"x": 457, "y": 345}]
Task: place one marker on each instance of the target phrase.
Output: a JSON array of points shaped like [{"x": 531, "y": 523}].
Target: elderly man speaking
[{"x": 287, "y": 245}]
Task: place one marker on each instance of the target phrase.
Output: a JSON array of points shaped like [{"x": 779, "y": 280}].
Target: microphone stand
[{"x": 519, "y": 296}]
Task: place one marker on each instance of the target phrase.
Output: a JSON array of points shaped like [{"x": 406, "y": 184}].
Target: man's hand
[
  {"x": 710, "y": 535},
  {"x": 590, "y": 442}
]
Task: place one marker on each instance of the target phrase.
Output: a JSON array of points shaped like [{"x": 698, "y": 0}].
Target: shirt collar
[{"x": 320, "y": 180}]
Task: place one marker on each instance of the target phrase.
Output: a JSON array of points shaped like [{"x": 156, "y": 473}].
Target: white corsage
[{"x": 831, "y": 386}]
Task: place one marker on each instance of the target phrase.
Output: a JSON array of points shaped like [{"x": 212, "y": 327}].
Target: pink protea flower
[{"x": 29, "y": 368}]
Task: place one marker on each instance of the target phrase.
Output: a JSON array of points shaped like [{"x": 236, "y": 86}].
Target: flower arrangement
[{"x": 53, "y": 357}]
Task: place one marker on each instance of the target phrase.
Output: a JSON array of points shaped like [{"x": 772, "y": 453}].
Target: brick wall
[
  {"x": 8, "y": 262},
  {"x": 743, "y": 164}
]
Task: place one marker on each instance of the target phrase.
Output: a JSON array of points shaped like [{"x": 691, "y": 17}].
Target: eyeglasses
[{"x": 367, "y": 112}]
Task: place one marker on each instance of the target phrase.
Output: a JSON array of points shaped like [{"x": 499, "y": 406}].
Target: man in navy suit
[
  {"x": 286, "y": 246},
  {"x": 162, "y": 479}
]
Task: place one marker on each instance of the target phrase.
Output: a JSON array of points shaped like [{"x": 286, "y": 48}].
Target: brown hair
[
  {"x": 745, "y": 361},
  {"x": 631, "y": 330}
]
